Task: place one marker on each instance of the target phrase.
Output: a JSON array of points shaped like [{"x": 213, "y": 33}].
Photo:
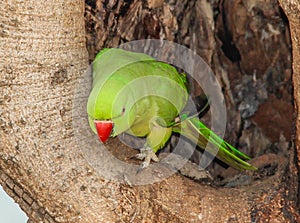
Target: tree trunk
[
  {"x": 43, "y": 52},
  {"x": 43, "y": 59},
  {"x": 292, "y": 9}
]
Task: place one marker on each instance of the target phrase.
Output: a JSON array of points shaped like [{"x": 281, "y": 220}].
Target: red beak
[{"x": 104, "y": 129}]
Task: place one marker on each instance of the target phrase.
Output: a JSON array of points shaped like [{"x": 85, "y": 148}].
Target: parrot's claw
[{"x": 147, "y": 155}]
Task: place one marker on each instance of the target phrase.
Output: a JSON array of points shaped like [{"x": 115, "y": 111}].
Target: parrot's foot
[{"x": 147, "y": 155}]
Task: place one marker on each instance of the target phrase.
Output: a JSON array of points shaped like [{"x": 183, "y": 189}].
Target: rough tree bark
[
  {"x": 42, "y": 166},
  {"x": 42, "y": 53},
  {"x": 292, "y": 9}
]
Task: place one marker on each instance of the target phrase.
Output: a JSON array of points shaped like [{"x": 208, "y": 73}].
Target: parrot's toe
[{"x": 147, "y": 155}]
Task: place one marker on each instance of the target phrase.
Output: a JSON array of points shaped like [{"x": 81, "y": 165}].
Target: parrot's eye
[{"x": 122, "y": 113}]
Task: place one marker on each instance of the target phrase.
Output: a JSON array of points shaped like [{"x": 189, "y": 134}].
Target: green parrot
[{"x": 134, "y": 93}]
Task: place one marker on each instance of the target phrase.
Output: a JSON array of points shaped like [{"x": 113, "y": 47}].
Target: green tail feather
[{"x": 197, "y": 132}]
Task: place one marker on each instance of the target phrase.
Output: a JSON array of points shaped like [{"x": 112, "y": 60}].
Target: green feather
[{"x": 197, "y": 132}]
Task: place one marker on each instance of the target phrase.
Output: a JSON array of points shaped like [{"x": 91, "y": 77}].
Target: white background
[{"x": 10, "y": 212}]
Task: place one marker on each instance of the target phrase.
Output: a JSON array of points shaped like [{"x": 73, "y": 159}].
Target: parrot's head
[
  {"x": 110, "y": 109},
  {"x": 104, "y": 129}
]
